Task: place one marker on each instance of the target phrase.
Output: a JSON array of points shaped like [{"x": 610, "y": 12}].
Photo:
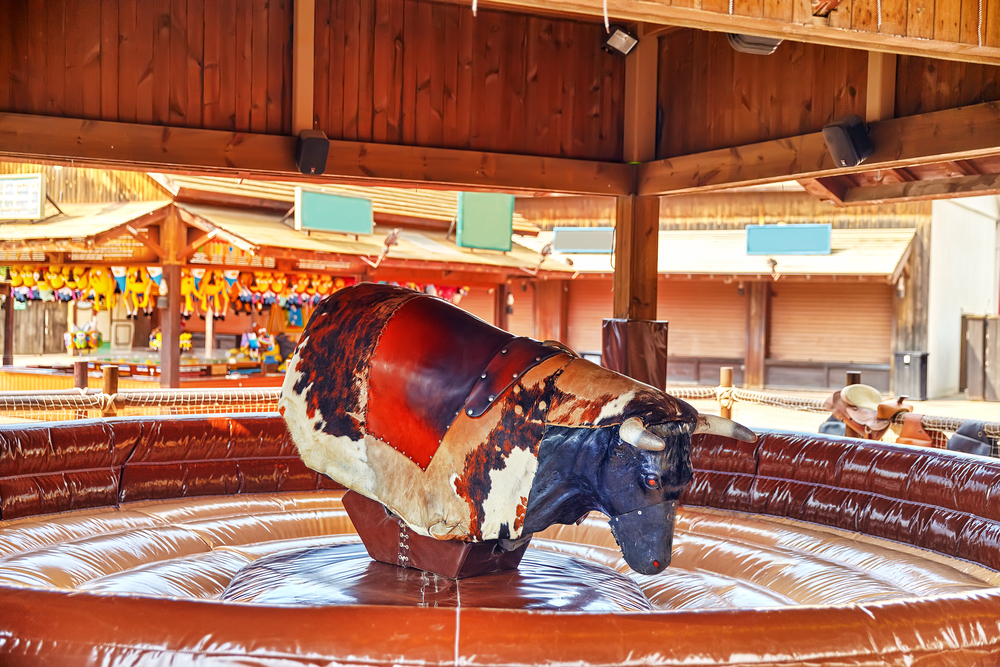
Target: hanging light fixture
[{"x": 619, "y": 41}]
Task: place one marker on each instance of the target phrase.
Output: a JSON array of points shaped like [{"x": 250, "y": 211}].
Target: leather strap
[{"x": 515, "y": 359}]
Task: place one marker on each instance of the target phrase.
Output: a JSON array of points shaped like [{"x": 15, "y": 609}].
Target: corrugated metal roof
[
  {"x": 440, "y": 205},
  {"x": 267, "y": 230},
  {"x": 79, "y": 221},
  {"x": 856, "y": 252}
]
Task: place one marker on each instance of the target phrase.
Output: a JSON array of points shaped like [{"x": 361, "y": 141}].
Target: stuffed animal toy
[
  {"x": 188, "y": 293},
  {"x": 103, "y": 285},
  {"x": 213, "y": 293},
  {"x": 138, "y": 287}
]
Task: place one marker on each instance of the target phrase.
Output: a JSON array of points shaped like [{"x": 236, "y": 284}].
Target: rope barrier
[{"x": 44, "y": 405}]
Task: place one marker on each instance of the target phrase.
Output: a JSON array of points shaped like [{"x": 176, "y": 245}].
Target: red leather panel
[
  {"x": 935, "y": 500},
  {"x": 422, "y": 372},
  {"x": 56, "y": 467}
]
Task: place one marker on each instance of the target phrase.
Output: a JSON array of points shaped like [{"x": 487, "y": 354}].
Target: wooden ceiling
[{"x": 518, "y": 97}]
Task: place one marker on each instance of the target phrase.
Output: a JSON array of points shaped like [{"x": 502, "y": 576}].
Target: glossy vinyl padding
[{"x": 169, "y": 510}]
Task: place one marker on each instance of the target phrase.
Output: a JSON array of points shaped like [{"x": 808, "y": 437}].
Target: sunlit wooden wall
[
  {"x": 712, "y": 96},
  {"x": 218, "y": 64},
  {"x": 427, "y": 74}
]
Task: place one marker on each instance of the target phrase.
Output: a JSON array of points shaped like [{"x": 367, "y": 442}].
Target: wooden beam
[
  {"x": 637, "y": 228},
  {"x": 551, "y": 309},
  {"x": 172, "y": 238},
  {"x": 199, "y": 241},
  {"x": 880, "y": 103},
  {"x": 271, "y": 157},
  {"x": 758, "y": 333},
  {"x": 641, "y": 85},
  {"x": 720, "y": 20},
  {"x": 952, "y": 134},
  {"x": 825, "y": 189},
  {"x": 303, "y": 60},
  {"x": 938, "y": 188}
]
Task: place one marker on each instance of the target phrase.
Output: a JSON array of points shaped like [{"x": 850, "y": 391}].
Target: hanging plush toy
[
  {"x": 239, "y": 295},
  {"x": 279, "y": 286},
  {"x": 103, "y": 285},
  {"x": 138, "y": 287},
  {"x": 188, "y": 294},
  {"x": 324, "y": 287},
  {"x": 261, "y": 286},
  {"x": 213, "y": 294},
  {"x": 81, "y": 282}
]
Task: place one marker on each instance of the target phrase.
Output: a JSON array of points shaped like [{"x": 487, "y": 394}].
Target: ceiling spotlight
[
  {"x": 758, "y": 46},
  {"x": 619, "y": 41}
]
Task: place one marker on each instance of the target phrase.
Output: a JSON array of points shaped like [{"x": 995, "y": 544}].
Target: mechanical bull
[{"x": 469, "y": 433}]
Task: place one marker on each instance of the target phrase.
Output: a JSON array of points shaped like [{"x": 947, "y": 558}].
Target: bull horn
[
  {"x": 723, "y": 426},
  {"x": 634, "y": 433}
]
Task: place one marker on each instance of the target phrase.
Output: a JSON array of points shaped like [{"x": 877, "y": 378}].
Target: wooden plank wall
[
  {"x": 926, "y": 84},
  {"x": 947, "y": 20},
  {"x": 218, "y": 64},
  {"x": 428, "y": 74},
  {"x": 712, "y": 96}
]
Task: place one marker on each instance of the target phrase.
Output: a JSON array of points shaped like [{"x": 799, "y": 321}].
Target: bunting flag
[
  {"x": 120, "y": 273},
  {"x": 156, "y": 274}
]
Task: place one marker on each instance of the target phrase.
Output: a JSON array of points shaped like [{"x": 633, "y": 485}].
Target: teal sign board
[
  {"x": 807, "y": 239},
  {"x": 322, "y": 212},
  {"x": 485, "y": 220}
]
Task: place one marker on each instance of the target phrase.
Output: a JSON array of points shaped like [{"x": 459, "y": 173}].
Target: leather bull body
[{"x": 467, "y": 432}]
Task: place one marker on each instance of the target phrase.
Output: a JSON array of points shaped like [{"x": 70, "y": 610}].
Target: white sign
[{"x": 22, "y": 197}]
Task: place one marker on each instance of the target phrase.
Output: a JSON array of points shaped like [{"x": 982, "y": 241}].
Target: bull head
[{"x": 632, "y": 472}]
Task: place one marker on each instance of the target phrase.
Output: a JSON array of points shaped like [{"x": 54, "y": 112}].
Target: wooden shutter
[
  {"x": 479, "y": 302},
  {"x": 842, "y": 322},
  {"x": 522, "y": 321},
  {"x": 706, "y": 319},
  {"x": 590, "y": 301}
]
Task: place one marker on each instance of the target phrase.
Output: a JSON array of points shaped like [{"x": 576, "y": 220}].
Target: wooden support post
[
  {"x": 110, "y": 388},
  {"x": 173, "y": 239},
  {"x": 80, "y": 376},
  {"x": 641, "y": 85},
  {"x": 500, "y": 318},
  {"x": 853, "y": 377},
  {"x": 170, "y": 327},
  {"x": 8, "y": 327},
  {"x": 637, "y": 235},
  {"x": 726, "y": 380},
  {"x": 758, "y": 334},
  {"x": 210, "y": 333},
  {"x": 880, "y": 103},
  {"x": 303, "y": 62}
]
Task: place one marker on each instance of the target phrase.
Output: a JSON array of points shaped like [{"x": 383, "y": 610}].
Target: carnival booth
[{"x": 250, "y": 262}]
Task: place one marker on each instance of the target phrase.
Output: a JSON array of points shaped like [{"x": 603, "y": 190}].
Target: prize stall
[{"x": 250, "y": 262}]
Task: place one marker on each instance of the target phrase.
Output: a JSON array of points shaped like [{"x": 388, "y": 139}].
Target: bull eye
[{"x": 650, "y": 481}]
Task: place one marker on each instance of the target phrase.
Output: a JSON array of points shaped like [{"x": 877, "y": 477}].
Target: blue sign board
[
  {"x": 584, "y": 239},
  {"x": 805, "y": 239}
]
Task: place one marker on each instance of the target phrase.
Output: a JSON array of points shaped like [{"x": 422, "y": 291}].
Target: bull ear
[
  {"x": 634, "y": 433},
  {"x": 723, "y": 426}
]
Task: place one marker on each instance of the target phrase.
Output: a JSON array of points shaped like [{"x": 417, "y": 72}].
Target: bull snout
[{"x": 646, "y": 536}]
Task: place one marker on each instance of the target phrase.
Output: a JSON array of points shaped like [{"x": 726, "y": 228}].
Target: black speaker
[
  {"x": 311, "y": 152},
  {"x": 848, "y": 142}
]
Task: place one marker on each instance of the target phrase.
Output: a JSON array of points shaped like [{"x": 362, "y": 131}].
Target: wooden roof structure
[
  {"x": 860, "y": 254},
  {"x": 517, "y": 97}
]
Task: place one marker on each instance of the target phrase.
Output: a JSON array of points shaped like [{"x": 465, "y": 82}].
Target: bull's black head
[{"x": 632, "y": 472}]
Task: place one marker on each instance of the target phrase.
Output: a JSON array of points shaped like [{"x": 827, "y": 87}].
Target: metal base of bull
[{"x": 389, "y": 540}]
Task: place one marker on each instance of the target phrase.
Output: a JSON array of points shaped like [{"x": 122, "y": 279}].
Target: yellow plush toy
[
  {"x": 214, "y": 293},
  {"x": 188, "y": 293},
  {"x": 138, "y": 286},
  {"x": 103, "y": 284}
]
